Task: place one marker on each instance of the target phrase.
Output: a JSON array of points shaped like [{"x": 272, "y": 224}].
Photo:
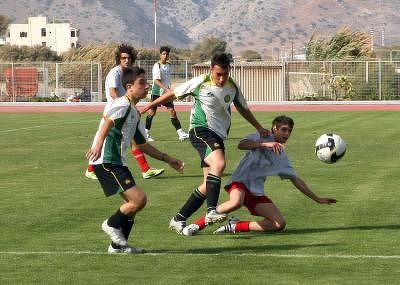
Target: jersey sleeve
[
  {"x": 156, "y": 71},
  {"x": 188, "y": 87},
  {"x": 239, "y": 100},
  {"x": 117, "y": 109},
  {"x": 286, "y": 170},
  {"x": 112, "y": 80}
]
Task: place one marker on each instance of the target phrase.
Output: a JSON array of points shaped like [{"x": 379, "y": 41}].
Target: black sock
[
  {"x": 127, "y": 227},
  {"x": 192, "y": 204},
  {"x": 118, "y": 219},
  {"x": 149, "y": 120},
  {"x": 213, "y": 185},
  {"x": 175, "y": 122}
]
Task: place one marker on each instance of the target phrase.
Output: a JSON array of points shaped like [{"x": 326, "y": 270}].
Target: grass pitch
[{"x": 51, "y": 214}]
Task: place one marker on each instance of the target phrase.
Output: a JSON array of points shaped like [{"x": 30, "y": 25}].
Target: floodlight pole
[{"x": 155, "y": 25}]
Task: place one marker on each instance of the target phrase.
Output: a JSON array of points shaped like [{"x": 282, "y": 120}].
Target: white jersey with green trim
[
  {"x": 127, "y": 126},
  {"x": 212, "y": 104},
  {"x": 256, "y": 165},
  {"x": 161, "y": 72}
]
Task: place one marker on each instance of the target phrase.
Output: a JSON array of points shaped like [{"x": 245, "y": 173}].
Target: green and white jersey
[
  {"x": 212, "y": 104},
  {"x": 161, "y": 72},
  {"x": 127, "y": 126}
]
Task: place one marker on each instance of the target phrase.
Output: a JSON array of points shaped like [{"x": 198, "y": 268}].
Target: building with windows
[{"x": 58, "y": 36}]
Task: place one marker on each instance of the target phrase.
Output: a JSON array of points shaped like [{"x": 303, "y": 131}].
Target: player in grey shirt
[{"x": 265, "y": 157}]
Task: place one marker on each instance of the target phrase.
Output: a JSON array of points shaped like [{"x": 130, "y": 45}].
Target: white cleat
[
  {"x": 115, "y": 234},
  {"x": 125, "y": 249},
  {"x": 191, "y": 230},
  {"x": 177, "y": 226},
  {"x": 182, "y": 136},
  {"x": 229, "y": 227},
  {"x": 213, "y": 217}
]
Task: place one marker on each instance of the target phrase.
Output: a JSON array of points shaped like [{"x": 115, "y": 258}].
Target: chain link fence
[{"x": 260, "y": 81}]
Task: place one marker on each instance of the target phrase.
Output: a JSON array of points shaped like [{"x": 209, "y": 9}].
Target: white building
[{"x": 58, "y": 36}]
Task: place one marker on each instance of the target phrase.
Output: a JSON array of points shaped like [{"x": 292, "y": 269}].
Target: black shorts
[
  {"x": 114, "y": 178},
  {"x": 169, "y": 104},
  {"x": 205, "y": 141}
]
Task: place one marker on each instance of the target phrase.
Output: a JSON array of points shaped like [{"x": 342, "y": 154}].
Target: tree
[
  {"x": 24, "y": 53},
  {"x": 250, "y": 55},
  {"x": 4, "y": 22},
  {"x": 204, "y": 50},
  {"x": 344, "y": 45}
]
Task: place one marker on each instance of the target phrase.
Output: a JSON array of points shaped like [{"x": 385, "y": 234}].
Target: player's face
[
  {"x": 139, "y": 88},
  {"x": 219, "y": 75},
  {"x": 125, "y": 60},
  {"x": 282, "y": 133},
  {"x": 164, "y": 56}
]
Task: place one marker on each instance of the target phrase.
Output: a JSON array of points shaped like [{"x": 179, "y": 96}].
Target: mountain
[{"x": 268, "y": 27}]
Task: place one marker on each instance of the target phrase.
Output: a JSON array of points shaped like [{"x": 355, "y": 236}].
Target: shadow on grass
[{"x": 242, "y": 249}]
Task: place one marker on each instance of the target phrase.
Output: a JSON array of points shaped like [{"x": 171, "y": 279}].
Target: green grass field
[{"x": 51, "y": 214}]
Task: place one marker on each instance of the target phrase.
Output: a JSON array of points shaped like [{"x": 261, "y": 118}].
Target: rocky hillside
[{"x": 267, "y": 26}]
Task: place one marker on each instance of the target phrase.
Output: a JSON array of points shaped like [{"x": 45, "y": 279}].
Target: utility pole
[{"x": 155, "y": 25}]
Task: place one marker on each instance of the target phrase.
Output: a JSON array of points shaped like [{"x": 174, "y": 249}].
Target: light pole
[{"x": 155, "y": 25}]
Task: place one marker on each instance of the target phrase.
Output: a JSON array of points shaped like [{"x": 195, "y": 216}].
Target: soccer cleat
[
  {"x": 191, "y": 230},
  {"x": 213, "y": 216},
  {"x": 177, "y": 226},
  {"x": 125, "y": 249},
  {"x": 115, "y": 234},
  {"x": 182, "y": 135},
  {"x": 152, "y": 172},
  {"x": 229, "y": 227},
  {"x": 90, "y": 175},
  {"x": 149, "y": 138}
]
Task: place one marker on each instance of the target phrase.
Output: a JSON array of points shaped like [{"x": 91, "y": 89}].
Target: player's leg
[
  {"x": 273, "y": 218},
  {"x": 192, "y": 204},
  {"x": 175, "y": 122},
  {"x": 147, "y": 171},
  {"x": 149, "y": 120}
]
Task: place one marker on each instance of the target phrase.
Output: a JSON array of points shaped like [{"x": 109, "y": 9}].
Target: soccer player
[
  {"x": 125, "y": 56},
  {"x": 161, "y": 84},
  {"x": 210, "y": 121},
  {"x": 264, "y": 157},
  {"x": 118, "y": 127}
]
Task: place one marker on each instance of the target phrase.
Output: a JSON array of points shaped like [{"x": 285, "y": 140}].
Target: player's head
[
  {"x": 282, "y": 127},
  {"x": 164, "y": 53},
  {"x": 220, "y": 67},
  {"x": 135, "y": 82},
  {"x": 125, "y": 55}
]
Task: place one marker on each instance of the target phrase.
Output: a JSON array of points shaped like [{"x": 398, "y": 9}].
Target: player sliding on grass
[
  {"x": 119, "y": 125},
  {"x": 210, "y": 121},
  {"x": 265, "y": 157}
]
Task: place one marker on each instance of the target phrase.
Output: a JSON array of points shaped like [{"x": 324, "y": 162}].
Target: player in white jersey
[
  {"x": 264, "y": 157},
  {"x": 124, "y": 57},
  {"x": 118, "y": 127},
  {"x": 210, "y": 120},
  {"x": 161, "y": 84}
]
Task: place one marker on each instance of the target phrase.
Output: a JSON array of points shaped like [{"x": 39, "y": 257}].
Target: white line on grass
[
  {"x": 337, "y": 256},
  {"x": 43, "y": 126}
]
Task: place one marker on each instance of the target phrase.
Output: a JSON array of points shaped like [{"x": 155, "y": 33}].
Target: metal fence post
[
  {"x": 380, "y": 79},
  {"x": 57, "y": 94}
]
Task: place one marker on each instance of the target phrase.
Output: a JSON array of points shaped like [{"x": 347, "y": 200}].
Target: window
[
  {"x": 43, "y": 32},
  {"x": 23, "y": 34},
  {"x": 72, "y": 45},
  {"x": 44, "y": 44},
  {"x": 73, "y": 34}
]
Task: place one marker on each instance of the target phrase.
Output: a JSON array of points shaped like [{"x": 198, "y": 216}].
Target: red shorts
[{"x": 250, "y": 201}]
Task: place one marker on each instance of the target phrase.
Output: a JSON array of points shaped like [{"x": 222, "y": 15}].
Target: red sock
[
  {"x": 90, "y": 168},
  {"x": 141, "y": 159},
  {"x": 201, "y": 223},
  {"x": 242, "y": 226}
]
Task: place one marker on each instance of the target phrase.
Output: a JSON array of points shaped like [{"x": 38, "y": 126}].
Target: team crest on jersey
[
  {"x": 227, "y": 98},
  {"x": 217, "y": 145},
  {"x": 127, "y": 181}
]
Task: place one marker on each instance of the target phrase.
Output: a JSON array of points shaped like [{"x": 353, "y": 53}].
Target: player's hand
[
  {"x": 275, "y": 146},
  {"x": 263, "y": 132},
  {"x": 326, "y": 201},
  {"x": 93, "y": 154},
  {"x": 176, "y": 164}
]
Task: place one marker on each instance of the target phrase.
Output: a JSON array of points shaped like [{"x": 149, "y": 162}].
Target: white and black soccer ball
[{"x": 329, "y": 148}]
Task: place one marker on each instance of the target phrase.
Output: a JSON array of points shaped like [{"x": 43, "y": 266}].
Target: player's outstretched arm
[
  {"x": 302, "y": 186},
  {"x": 248, "y": 115},
  {"x": 251, "y": 145},
  {"x": 175, "y": 163},
  {"x": 167, "y": 97}
]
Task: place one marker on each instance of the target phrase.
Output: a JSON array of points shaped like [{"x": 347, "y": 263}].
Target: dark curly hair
[{"x": 124, "y": 48}]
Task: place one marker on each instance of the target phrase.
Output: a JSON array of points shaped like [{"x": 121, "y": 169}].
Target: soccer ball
[{"x": 329, "y": 148}]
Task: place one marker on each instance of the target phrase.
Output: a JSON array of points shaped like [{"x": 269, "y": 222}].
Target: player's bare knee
[{"x": 279, "y": 225}]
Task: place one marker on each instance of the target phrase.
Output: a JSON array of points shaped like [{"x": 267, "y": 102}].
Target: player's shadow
[
  {"x": 257, "y": 249},
  {"x": 344, "y": 228}
]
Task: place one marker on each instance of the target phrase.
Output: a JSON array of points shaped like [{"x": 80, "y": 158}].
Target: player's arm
[
  {"x": 247, "y": 144},
  {"x": 95, "y": 151},
  {"x": 167, "y": 97},
  {"x": 161, "y": 85},
  {"x": 303, "y": 187},
  {"x": 176, "y": 164},
  {"x": 248, "y": 115}
]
